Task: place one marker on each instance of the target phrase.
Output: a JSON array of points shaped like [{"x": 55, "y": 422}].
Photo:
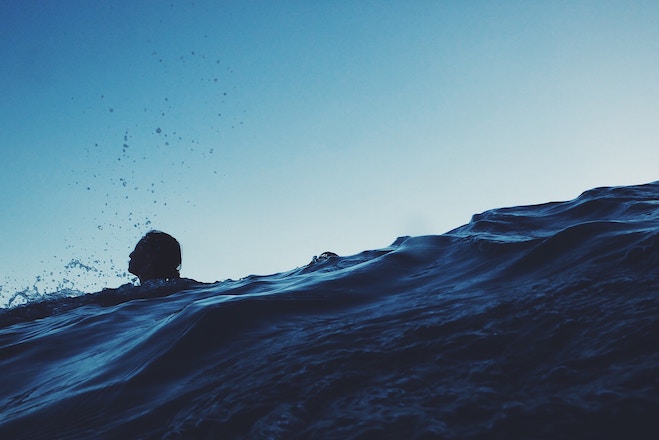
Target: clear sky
[{"x": 262, "y": 133}]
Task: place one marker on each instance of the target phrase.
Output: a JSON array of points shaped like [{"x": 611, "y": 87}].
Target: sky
[{"x": 262, "y": 133}]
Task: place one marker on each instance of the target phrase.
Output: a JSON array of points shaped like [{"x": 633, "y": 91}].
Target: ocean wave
[{"x": 528, "y": 322}]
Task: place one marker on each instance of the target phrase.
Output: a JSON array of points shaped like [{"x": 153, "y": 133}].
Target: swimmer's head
[{"x": 156, "y": 256}]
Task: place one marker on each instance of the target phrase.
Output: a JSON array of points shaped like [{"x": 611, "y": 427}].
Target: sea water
[{"x": 536, "y": 322}]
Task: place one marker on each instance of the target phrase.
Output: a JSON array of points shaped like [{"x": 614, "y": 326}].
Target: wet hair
[{"x": 166, "y": 253}]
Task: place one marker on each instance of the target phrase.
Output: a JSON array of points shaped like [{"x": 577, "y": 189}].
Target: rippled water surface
[{"x": 528, "y": 322}]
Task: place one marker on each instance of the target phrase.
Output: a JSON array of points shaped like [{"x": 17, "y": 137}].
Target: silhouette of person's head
[{"x": 156, "y": 256}]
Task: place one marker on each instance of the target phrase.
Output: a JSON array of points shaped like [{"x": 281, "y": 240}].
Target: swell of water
[{"x": 528, "y": 322}]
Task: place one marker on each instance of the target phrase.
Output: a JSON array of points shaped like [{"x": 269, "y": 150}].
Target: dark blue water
[{"x": 535, "y": 322}]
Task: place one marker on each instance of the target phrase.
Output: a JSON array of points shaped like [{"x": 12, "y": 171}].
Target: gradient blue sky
[{"x": 261, "y": 133}]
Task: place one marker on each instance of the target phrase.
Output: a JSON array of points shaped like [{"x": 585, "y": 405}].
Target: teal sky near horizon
[{"x": 261, "y": 133}]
